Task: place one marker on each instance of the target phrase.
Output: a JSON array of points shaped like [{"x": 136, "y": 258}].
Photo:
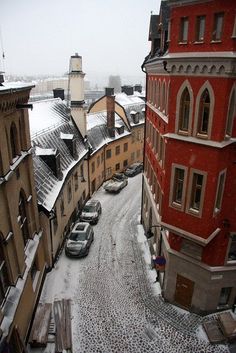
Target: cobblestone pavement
[{"x": 114, "y": 309}]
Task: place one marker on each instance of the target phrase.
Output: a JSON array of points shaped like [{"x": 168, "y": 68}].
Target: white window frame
[
  {"x": 231, "y": 112},
  {"x": 220, "y": 191},
  {"x": 184, "y": 26},
  {"x": 184, "y": 85},
  {"x": 189, "y": 208},
  {"x": 172, "y": 202}
]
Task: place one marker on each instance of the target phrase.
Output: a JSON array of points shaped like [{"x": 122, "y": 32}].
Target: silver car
[
  {"x": 91, "y": 212},
  {"x": 79, "y": 240},
  {"x": 117, "y": 183}
]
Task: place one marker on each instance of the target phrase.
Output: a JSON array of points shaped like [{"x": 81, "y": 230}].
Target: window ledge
[
  {"x": 231, "y": 262},
  {"x": 183, "y": 43},
  {"x": 216, "y": 41},
  {"x": 202, "y": 136},
  {"x": 199, "y": 42}
]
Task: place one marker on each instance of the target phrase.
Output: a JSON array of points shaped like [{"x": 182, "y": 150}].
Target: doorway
[{"x": 184, "y": 291}]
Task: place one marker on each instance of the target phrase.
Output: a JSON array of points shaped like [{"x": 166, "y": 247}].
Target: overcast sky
[{"x": 39, "y": 36}]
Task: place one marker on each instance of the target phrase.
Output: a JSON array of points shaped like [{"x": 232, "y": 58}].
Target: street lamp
[{"x": 149, "y": 233}]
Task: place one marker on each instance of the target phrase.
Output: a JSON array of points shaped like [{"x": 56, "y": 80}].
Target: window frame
[
  {"x": 198, "y": 111},
  {"x": 183, "y": 37},
  {"x": 231, "y": 113},
  {"x": 172, "y": 201},
  {"x": 198, "y": 37},
  {"x": 192, "y": 191},
  {"x": 108, "y": 153},
  {"x": 217, "y": 32},
  {"x": 219, "y": 191}
]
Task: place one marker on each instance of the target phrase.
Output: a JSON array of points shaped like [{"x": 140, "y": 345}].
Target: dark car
[
  {"x": 134, "y": 169},
  {"x": 91, "y": 212},
  {"x": 79, "y": 240}
]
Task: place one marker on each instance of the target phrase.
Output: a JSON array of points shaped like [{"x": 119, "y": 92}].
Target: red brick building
[{"x": 189, "y": 185}]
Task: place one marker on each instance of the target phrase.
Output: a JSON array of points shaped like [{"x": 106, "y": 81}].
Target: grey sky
[{"x": 39, "y": 36}]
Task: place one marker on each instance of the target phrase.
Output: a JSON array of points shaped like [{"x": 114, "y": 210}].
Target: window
[
  {"x": 33, "y": 270},
  {"x": 218, "y": 26},
  {"x": 98, "y": 161},
  {"x": 76, "y": 181},
  {"x": 23, "y": 218},
  {"x": 196, "y": 191},
  {"x": 133, "y": 135},
  {"x": 231, "y": 114},
  {"x": 102, "y": 157},
  {"x": 204, "y": 113},
  {"x": 178, "y": 186},
  {"x": 4, "y": 279},
  {"x": 183, "y": 30},
  {"x": 184, "y": 111},
  {"x": 200, "y": 28},
  {"x": 117, "y": 150},
  {"x": 108, "y": 172},
  {"x": 234, "y": 29},
  {"x": 13, "y": 141},
  {"x": 126, "y": 147},
  {"x": 191, "y": 249},
  {"x": 117, "y": 166},
  {"x": 220, "y": 190},
  {"x": 69, "y": 192},
  {"x": 93, "y": 167},
  {"x": 108, "y": 154},
  {"x": 125, "y": 163},
  {"x": 232, "y": 248},
  {"x": 82, "y": 170},
  {"x": 224, "y": 296}
]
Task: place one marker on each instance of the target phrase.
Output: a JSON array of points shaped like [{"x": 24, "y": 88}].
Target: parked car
[
  {"x": 79, "y": 240},
  {"x": 91, "y": 212},
  {"x": 134, "y": 169},
  {"x": 117, "y": 183}
]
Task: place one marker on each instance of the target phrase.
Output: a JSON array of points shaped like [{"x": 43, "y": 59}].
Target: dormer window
[{"x": 70, "y": 142}]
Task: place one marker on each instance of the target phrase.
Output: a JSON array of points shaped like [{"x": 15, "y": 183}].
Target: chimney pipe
[
  {"x": 129, "y": 90},
  {"x": 110, "y": 102},
  {"x": 59, "y": 93}
]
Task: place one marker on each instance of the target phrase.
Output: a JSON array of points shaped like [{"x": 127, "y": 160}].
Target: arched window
[
  {"x": 184, "y": 110},
  {"x": 204, "y": 113},
  {"x": 231, "y": 114},
  {"x": 4, "y": 278},
  {"x": 13, "y": 141},
  {"x": 23, "y": 218}
]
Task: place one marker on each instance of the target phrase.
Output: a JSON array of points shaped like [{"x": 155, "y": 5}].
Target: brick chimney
[
  {"x": 110, "y": 102},
  {"x": 129, "y": 90}
]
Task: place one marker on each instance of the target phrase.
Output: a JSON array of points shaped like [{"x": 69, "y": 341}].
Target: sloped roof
[
  {"x": 97, "y": 130},
  {"x": 132, "y": 104},
  {"x": 49, "y": 120}
]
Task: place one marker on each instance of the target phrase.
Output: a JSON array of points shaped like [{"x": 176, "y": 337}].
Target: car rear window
[
  {"x": 89, "y": 208},
  {"x": 78, "y": 236}
]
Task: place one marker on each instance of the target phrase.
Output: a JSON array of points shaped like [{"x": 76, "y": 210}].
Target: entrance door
[{"x": 184, "y": 291}]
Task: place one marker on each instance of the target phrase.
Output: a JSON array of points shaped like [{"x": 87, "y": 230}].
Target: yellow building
[
  {"x": 115, "y": 130},
  {"x": 22, "y": 247}
]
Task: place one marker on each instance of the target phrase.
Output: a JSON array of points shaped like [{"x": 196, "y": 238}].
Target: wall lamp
[{"x": 149, "y": 233}]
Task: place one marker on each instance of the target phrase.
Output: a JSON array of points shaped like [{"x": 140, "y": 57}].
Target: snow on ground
[{"x": 116, "y": 306}]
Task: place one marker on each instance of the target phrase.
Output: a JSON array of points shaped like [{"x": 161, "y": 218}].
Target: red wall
[{"x": 208, "y": 9}]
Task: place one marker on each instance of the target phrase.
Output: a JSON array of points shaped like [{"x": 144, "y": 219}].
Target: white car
[{"x": 117, "y": 183}]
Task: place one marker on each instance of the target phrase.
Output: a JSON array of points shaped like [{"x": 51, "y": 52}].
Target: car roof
[
  {"x": 92, "y": 202},
  {"x": 81, "y": 227}
]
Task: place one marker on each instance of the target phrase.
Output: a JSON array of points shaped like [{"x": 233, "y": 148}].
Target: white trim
[
  {"x": 192, "y": 139},
  {"x": 184, "y": 85},
  {"x": 172, "y": 203},
  {"x": 223, "y": 172},
  {"x": 191, "y": 236},
  {"x": 158, "y": 112}
]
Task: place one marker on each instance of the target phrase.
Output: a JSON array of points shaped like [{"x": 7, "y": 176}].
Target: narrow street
[{"x": 115, "y": 308}]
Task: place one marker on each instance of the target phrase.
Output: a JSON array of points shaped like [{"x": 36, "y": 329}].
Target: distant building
[
  {"x": 22, "y": 241},
  {"x": 115, "y": 129},
  {"x": 189, "y": 193}
]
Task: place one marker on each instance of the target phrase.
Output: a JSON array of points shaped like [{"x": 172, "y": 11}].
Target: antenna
[{"x": 2, "y": 51}]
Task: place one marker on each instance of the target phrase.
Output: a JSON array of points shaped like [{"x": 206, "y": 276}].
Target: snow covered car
[
  {"x": 79, "y": 240},
  {"x": 117, "y": 183},
  {"x": 134, "y": 169},
  {"x": 91, "y": 212}
]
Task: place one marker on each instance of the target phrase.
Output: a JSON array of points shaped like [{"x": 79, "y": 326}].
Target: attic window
[
  {"x": 135, "y": 116},
  {"x": 120, "y": 129},
  {"x": 70, "y": 142}
]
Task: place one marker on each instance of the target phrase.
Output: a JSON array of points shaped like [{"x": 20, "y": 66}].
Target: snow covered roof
[
  {"x": 97, "y": 130},
  {"x": 132, "y": 105},
  {"x": 55, "y": 125},
  {"x": 15, "y": 86}
]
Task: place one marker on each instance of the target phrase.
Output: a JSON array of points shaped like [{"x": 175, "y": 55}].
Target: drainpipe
[{"x": 144, "y": 142}]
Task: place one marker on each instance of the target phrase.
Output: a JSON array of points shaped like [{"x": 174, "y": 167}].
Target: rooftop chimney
[
  {"x": 59, "y": 93},
  {"x": 129, "y": 90},
  {"x": 1, "y": 78},
  {"x": 110, "y": 101},
  {"x": 138, "y": 88},
  {"x": 109, "y": 91}
]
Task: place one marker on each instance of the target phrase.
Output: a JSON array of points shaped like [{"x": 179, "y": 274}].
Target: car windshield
[
  {"x": 89, "y": 208},
  {"x": 75, "y": 236}
]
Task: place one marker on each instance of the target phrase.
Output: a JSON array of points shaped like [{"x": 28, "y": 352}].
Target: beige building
[
  {"x": 22, "y": 247},
  {"x": 115, "y": 129}
]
